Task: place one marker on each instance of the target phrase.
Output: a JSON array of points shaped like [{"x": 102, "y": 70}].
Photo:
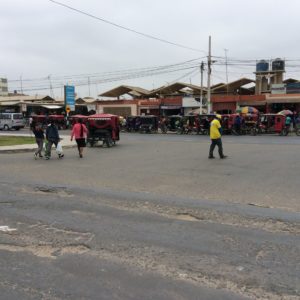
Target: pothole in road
[
  {"x": 187, "y": 217},
  {"x": 61, "y": 191}
]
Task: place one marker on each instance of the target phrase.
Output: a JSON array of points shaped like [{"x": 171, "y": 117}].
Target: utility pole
[
  {"x": 51, "y": 88},
  {"x": 21, "y": 84},
  {"x": 89, "y": 87},
  {"x": 201, "y": 88},
  {"x": 226, "y": 65},
  {"x": 208, "y": 75}
]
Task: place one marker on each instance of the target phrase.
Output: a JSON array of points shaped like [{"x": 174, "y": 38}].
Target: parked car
[{"x": 11, "y": 121}]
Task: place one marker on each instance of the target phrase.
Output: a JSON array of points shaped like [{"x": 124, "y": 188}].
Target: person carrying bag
[{"x": 52, "y": 137}]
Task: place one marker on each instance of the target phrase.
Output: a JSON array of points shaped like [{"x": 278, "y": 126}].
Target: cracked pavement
[{"x": 102, "y": 229}]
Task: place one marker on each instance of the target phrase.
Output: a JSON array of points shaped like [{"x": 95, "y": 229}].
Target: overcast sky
[{"x": 43, "y": 40}]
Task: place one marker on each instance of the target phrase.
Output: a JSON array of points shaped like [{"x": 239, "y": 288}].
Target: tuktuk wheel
[
  {"x": 253, "y": 131},
  {"x": 284, "y": 132},
  {"x": 91, "y": 142},
  {"x": 108, "y": 142},
  {"x": 204, "y": 132}
]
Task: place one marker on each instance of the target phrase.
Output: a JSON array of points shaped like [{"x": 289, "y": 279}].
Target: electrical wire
[
  {"x": 45, "y": 86},
  {"x": 125, "y": 28},
  {"x": 111, "y": 73}
]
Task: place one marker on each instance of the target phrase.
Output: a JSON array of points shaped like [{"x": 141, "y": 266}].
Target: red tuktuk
[
  {"x": 248, "y": 123},
  {"x": 272, "y": 123},
  {"x": 74, "y": 118},
  {"x": 103, "y": 127},
  {"x": 59, "y": 120},
  {"x": 40, "y": 119}
]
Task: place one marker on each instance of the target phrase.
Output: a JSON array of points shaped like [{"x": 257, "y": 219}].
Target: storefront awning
[
  {"x": 52, "y": 106},
  {"x": 170, "y": 107},
  {"x": 9, "y": 103},
  {"x": 149, "y": 107},
  {"x": 252, "y": 103}
]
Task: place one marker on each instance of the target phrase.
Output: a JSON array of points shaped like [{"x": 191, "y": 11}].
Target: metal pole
[
  {"x": 201, "y": 88},
  {"x": 226, "y": 65},
  {"x": 208, "y": 75},
  {"x": 21, "y": 84},
  {"x": 89, "y": 86}
]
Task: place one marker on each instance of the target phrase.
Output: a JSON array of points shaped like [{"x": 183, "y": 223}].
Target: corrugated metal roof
[
  {"x": 86, "y": 100},
  {"x": 125, "y": 89},
  {"x": 176, "y": 87},
  {"x": 26, "y": 98},
  {"x": 9, "y": 103},
  {"x": 233, "y": 85}
]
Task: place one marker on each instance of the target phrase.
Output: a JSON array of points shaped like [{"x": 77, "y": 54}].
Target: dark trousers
[
  {"x": 214, "y": 143},
  {"x": 40, "y": 143},
  {"x": 49, "y": 146}
]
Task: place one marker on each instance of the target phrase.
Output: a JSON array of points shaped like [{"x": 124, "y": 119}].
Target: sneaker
[
  {"x": 224, "y": 156},
  {"x": 80, "y": 155},
  {"x": 41, "y": 156},
  {"x": 35, "y": 156},
  {"x": 61, "y": 155},
  {"x": 211, "y": 157},
  {"x": 47, "y": 157}
]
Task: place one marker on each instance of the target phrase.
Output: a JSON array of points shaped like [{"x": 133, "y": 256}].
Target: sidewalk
[{"x": 66, "y": 143}]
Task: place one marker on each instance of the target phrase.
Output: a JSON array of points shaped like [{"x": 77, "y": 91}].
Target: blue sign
[{"x": 70, "y": 97}]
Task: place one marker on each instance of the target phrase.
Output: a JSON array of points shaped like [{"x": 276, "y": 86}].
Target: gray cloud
[{"x": 42, "y": 38}]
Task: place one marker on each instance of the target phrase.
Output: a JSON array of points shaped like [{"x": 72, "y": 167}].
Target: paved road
[{"x": 153, "y": 218}]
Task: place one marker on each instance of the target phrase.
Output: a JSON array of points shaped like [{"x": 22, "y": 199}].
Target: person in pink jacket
[{"x": 79, "y": 131}]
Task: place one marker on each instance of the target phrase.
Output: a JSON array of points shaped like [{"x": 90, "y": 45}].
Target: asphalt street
[{"x": 153, "y": 218}]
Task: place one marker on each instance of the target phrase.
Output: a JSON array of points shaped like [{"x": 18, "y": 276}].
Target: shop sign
[{"x": 278, "y": 89}]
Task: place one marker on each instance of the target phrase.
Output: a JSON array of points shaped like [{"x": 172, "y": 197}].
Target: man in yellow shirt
[{"x": 215, "y": 136}]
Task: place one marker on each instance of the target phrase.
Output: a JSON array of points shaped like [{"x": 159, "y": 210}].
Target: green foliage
[{"x": 16, "y": 140}]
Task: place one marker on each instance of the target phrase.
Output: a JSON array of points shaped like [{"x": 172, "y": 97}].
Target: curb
[
  {"x": 29, "y": 147},
  {"x": 24, "y": 150}
]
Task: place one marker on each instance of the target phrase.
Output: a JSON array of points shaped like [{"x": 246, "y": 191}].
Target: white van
[{"x": 11, "y": 121}]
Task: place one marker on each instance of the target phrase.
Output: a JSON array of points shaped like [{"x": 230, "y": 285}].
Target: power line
[
  {"x": 112, "y": 73},
  {"x": 83, "y": 82},
  {"x": 125, "y": 28}
]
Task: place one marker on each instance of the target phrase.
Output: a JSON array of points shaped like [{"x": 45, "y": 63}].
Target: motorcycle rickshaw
[
  {"x": 273, "y": 123},
  {"x": 132, "y": 123},
  {"x": 231, "y": 124},
  {"x": 250, "y": 123},
  {"x": 59, "y": 120},
  {"x": 204, "y": 121},
  {"x": 174, "y": 122},
  {"x": 225, "y": 124},
  {"x": 103, "y": 127},
  {"x": 148, "y": 124},
  {"x": 74, "y": 118},
  {"x": 246, "y": 124},
  {"x": 40, "y": 120}
]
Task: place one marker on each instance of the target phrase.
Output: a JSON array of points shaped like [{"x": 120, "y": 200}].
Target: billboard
[
  {"x": 69, "y": 97},
  {"x": 193, "y": 102}
]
